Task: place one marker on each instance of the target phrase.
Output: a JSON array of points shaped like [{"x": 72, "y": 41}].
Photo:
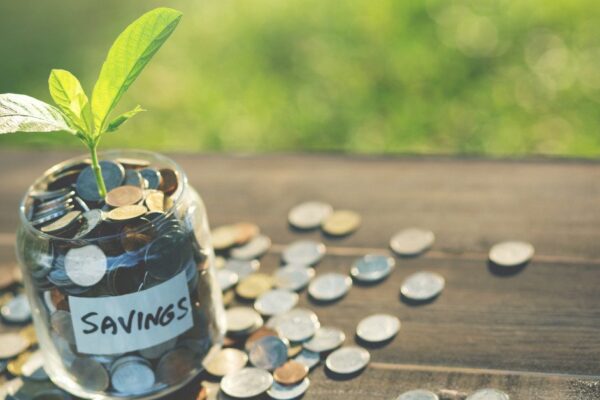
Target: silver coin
[
  {"x": 412, "y": 241},
  {"x": 488, "y": 394},
  {"x": 304, "y": 252},
  {"x": 134, "y": 376},
  {"x": 50, "y": 216},
  {"x": 16, "y": 310},
  {"x": 309, "y": 215},
  {"x": 293, "y": 277},
  {"x": 330, "y": 286},
  {"x": 152, "y": 177},
  {"x": 275, "y": 302},
  {"x": 90, "y": 374},
  {"x": 255, "y": 248},
  {"x": 242, "y": 319},
  {"x": 372, "y": 268},
  {"x": 86, "y": 266},
  {"x": 418, "y": 394},
  {"x": 155, "y": 352},
  {"x": 422, "y": 286},
  {"x": 325, "y": 339},
  {"x": 285, "y": 392},
  {"x": 133, "y": 178},
  {"x": 12, "y": 344},
  {"x": 86, "y": 186},
  {"x": 62, "y": 324},
  {"x": 348, "y": 360},
  {"x": 176, "y": 364},
  {"x": 296, "y": 325},
  {"x": 378, "y": 328},
  {"x": 268, "y": 352},
  {"x": 511, "y": 254},
  {"x": 226, "y": 278},
  {"x": 308, "y": 358},
  {"x": 242, "y": 267},
  {"x": 45, "y": 196},
  {"x": 247, "y": 382}
]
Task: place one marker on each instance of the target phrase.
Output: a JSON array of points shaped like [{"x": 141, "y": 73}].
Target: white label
[{"x": 120, "y": 324}]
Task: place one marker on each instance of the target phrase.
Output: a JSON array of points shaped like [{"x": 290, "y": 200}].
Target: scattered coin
[
  {"x": 242, "y": 319},
  {"x": 488, "y": 394},
  {"x": 89, "y": 374},
  {"x": 258, "y": 334},
  {"x": 132, "y": 375},
  {"x": 63, "y": 223},
  {"x": 511, "y": 254},
  {"x": 254, "y": 285},
  {"x": 294, "y": 350},
  {"x": 124, "y": 196},
  {"x": 246, "y": 383},
  {"x": 412, "y": 241},
  {"x": 255, "y": 248},
  {"x": 290, "y": 373},
  {"x": 245, "y": 232},
  {"x": 155, "y": 201},
  {"x": 372, "y": 268},
  {"x": 285, "y": 392},
  {"x": 268, "y": 352},
  {"x": 275, "y": 302},
  {"x": 297, "y": 325},
  {"x": 308, "y": 358},
  {"x": 325, "y": 339},
  {"x": 85, "y": 266},
  {"x": 226, "y": 279},
  {"x": 378, "y": 328},
  {"x": 341, "y": 223},
  {"x": 418, "y": 394},
  {"x": 348, "y": 360},
  {"x": 309, "y": 215},
  {"x": 293, "y": 277},
  {"x": 86, "y": 186},
  {"x": 304, "y": 252},
  {"x": 242, "y": 267},
  {"x": 224, "y": 237},
  {"x": 422, "y": 286},
  {"x": 126, "y": 213},
  {"x": 16, "y": 310},
  {"x": 330, "y": 286},
  {"x": 12, "y": 344},
  {"x": 226, "y": 361}
]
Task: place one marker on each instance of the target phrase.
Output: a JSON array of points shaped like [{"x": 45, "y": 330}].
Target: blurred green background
[{"x": 384, "y": 76}]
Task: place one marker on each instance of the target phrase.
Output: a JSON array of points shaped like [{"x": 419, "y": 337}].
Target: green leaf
[
  {"x": 68, "y": 94},
  {"x": 128, "y": 56},
  {"x": 21, "y": 113},
  {"x": 121, "y": 119}
]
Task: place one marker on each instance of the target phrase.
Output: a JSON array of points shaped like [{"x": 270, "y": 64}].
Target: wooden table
[{"x": 534, "y": 334}]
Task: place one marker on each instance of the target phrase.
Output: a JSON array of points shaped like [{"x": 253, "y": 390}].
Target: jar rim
[{"x": 105, "y": 155}]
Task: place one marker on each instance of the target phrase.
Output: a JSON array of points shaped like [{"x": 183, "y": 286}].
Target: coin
[
  {"x": 48, "y": 195},
  {"x": 226, "y": 361},
  {"x": 12, "y": 344},
  {"x": 293, "y": 277},
  {"x": 242, "y": 319},
  {"x": 304, "y": 252},
  {"x": 63, "y": 223},
  {"x": 83, "y": 207},
  {"x": 29, "y": 334},
  {"x": 133, "y": 178},
  {"x": 155, "y": 201},
  {"x": 124, "y": 196},
  {"x": 63, "y": 179},
  {"x": 169, "y": 182},
  {"x": 275, "y": 302},
  {"x": 325, "y": 339},
  {"x": 40, "y": 219},
  {"x": 268, "y": 352},
  {"x": 378, "y": 328},
  {"x": 422, "y": 286},
  {"x": 32, "y": 368},
  {"x": 284, "y": 392},
  {"x": 16, "y": 310},
  {"x": 296, "y": 325},
  {"x": 511, "y": 254},
  {"x": 15, "y": 366},
  {"x": 126, "y": 213},
  {"x": 412, "y": 241},
  {"x": 246, "y": 383},
  {"x": 156, "y": 351},
  {"x": 176, "y": 364},
  {"x": 61, "y": 323},
  {"x": 308, "y": 358},
  {"x": 254, "y": 285},
  {"x": 255, "y": 248},
  {"x": 341, "y": 223},
  {"x": 488, "y": 394},
  {"x": 226, "y": 279},
  {"x": 259, "y": 333},
  {"x": 152, "y": 177},
  {"x": 90, "y": 374},
  {"x": 137, "y": 234},
  {"x": 85, "y": 266},
  {"x": 246, "y": 231},
  {"x": 418, "y": 394},
  {"x": 164, "y": 257},
  {"x": 290, "y": 373},
  {"x": 132, "y": 375},
  {"x": 309, "y": 215},
  {"x": 372, "y": 268},
  {"x": 86, "y": 186},
  {"x": 90, "y": 220},
  {"x": 294, "y": 350},
  {"x": 330, "y": 286},
  {"x": 242, "y": 267},
  {"x": 348, "y": 360},
  {"x": 228, "y": 297},
  {"x": 224, "y": 237},
  {"x": 133, "y": 163}
]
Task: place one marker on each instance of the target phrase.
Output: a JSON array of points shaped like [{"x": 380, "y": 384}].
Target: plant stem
[{"x": 97, "y": 171}]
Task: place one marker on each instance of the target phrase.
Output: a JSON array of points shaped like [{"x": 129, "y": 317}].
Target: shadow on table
[{"x": 503, "y": 271}]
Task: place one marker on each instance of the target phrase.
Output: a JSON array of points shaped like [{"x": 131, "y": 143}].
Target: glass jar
[{"x": 122, "y": 310}]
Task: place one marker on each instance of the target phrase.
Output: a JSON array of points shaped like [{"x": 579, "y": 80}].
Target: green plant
[{"x": 75, "y": 113}]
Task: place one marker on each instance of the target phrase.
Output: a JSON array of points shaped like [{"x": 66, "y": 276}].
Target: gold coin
[
  {"x": 155, "y": 200},
  {"x": 225, "y": 362},
  {"x": 246, "y": 231},
  {"x": 290, "y": 373},
  {"x": 341, "y": 223},
  {"x": 62, "y": 223},
  {"x": 127, "y": 212},
  {"x": 29, "y": 334},
  {"x": 254, "y": 285},
  {"x": 224, "y": 237},
  {"x": 228, "y": 297},
  {"x": 293, "y": 351},
  {"x": 15, "y": 366},
  {"x": 124, "y": 196},
  {"x": 209, "y": 391},
  {"x": 168, "y": 203},
  {"x": 220, "y": 262}
]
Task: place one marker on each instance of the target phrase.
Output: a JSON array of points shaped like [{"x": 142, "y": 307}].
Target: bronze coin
[
  {"x": 169, "y": 182},
  {"x": 259, "y": 333},
  {"x": 155, "y": 200},
  {"x": 124, "y": 196},
  {"x": 254, "y": 285},
  {"x": 65, "y": 222},
  {"x": 126, "y": 213},
  {"x": 290, "y": 373},
  {"x": 245, "y": 231}
]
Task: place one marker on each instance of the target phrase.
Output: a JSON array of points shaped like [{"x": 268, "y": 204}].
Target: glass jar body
[{"x": 143, "y": 329}]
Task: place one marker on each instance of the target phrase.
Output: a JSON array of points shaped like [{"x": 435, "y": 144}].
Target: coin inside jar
[
  {"x": 124, "y": 196},
  {"x": 132, "y": 375},
  {"x": 86, "y": 185},
  {"x": 126, "y": 213},
  {"x": 155, "y": 201},
  {"x": 90, "y": 374},
  {"x": 85, "y": 266},
  {"x": 169, "y": 181},
  {"x": 290, "y": 373},
  {"x": 63, "y": 223}
]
